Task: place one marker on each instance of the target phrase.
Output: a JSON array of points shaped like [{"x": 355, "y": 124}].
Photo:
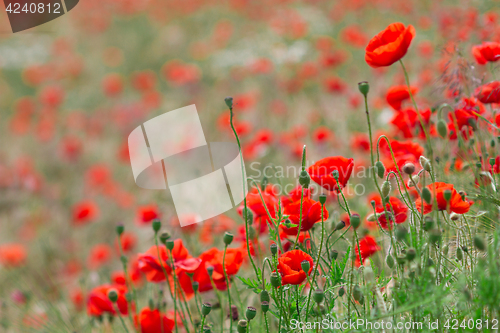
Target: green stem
[{"x": 228, "y": 291}]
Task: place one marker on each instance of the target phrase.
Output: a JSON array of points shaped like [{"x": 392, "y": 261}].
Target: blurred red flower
[
  {"x": 152, "y": 321},
  {"x": 98, "y": 302},
  {"x": 290, "y": 268},
  {"x": 368, "y": 247},
  {"x": 390, "y": 45},
  {"x": 489, "y": 93},
  {"x": 84, "y": 212},
  {"x": 486, "y": 52},
  {"x": 12, "y": 255},
  {"x": 321, "y": 172},
  {"x": 311, "y": 214},
  {"x": 456, "y": 203},
  {"x": 146, "y": 214},
  {"x": 99, "y": 255},
  {"x": 397, "y": 94}
]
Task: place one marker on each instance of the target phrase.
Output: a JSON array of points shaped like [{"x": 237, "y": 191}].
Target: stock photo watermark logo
[
  {"x": 26, "y": 14},
  {"x": 204, "y": 179}
]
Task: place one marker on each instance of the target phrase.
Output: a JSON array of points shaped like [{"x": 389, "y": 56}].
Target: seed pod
[
  {"x": 305, "y": 265},
  {"x": 479, "y": 243},
  {"x": 251, "y": 313},
  {"x": 242, "y": 326},
  {"x": 195, "y": 285},
  {"x": 322, "y": 199},
  {"x": 465, "y": 249},
  {"x": 228, "y": 238},
  {"x": 442, "y": 128},
  {"x": 274, "y": 249},
  {"x": 459, "y": 254},
  {"x": 120, "y": 229},
  {"x": 411, "y": 254},
  {"x": 264, "y": 306},
  {"x": 426, "y": 195},
  {"x": 492, "y": 160},
  {"x": 170, "y": 244},
  {"x": 340, "y": 226},
  {"x": 156, "y": 225},
  {"x": 401, "y": 259},
  {"x": 364, "y": 88},
  {"x": 386, "y": 189},
  {"x": 454, "y": 216},
  {"x": 318, "y": 295},
  {"x": 357, "y": 294},
  {"x": 341, "y": 291},
  {"x": 304, "y": 179},
  {"x": 206, "y": 308},
  {"x": 164, "y": 237},
  {"x": 113, "y": 295},
  {"x": 264, "y": 296},
  {"x": 380, "y": 169},
  {"x": 389, "y": 260},
  {"x": 355, "y": 221},
  {"x": 210, "y": 270},
  {"x": 229, "y": 102},
  {"x": 275, "y": 280}
]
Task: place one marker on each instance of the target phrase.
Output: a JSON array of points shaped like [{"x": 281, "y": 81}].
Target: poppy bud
[
  {"x": 274, "y": 248},
  {"x": 459, "y": 254},
  {"x": 355, "y": 221},
  {"x": 318, "y": 296},
  {"x": 357, "y": 294},
  {"x": 364, "y": 87},
  {"x": 120, "y": 229},
  {"x": 380, "y": 168},
  {"x": 304, "y": 179},
  {"x": 242, "y": 326},
  {"x": 113, "y": 295},
  {"x": 401, "y": 233},
  {"x": 229, "y": 102},
  {"x": 479, "y": 243},
  {"x": 247, "y": 213},
  {"x": 164, "y": 237},
  {"x": 413, "y": 181},
  {"x": 210, "y": 270},
  {"x": 428, "y": 223},
  {"x": 334, "y": 254},
  {"x": 389, "y": 260},
  {"x": 434, "y": 236},
  {"x": 169, "y": 244},
  {"x": 372, "y": 202},
  {"x": 492, "y": 143},
  {"x": 442, "y": 128},
  {"x": 411, "y": 254},
  {"x": 156, "y": 225},
  {"x": 250, "y": 313},
  {"x": 426, "y": 195},
  {"x": 479, "y": 164},
  {"x": 340, "y": 226},
  {"x": 206, "y": 308},
  {"x": 275, "y": 280},
  {"x": 264, "y": 296},
  {"x": 252, "y": 233},
  {"x": 371, "y": 218},
  {"x": 305, "y": 265},
  {"x": 472, "y": 123},
  {"x": 465, "y": 249},
  {"x": 264, "y": 306},
  {"x": 228, "y": 238},
  {"x": 409, "y": 168},
  {"x": 386, "y": 189},
  {"x": 341, "y": 291},
  {"x": 424, "y": 163},
  {"x": 492, "y": 161},
  {"x": 454, "y": 216},
  {"x": 335, "y": 174},
  {"x": 446, "y": 248},
  {"x": 322, "y": 199},
  {"x": 206, "y": 329}
]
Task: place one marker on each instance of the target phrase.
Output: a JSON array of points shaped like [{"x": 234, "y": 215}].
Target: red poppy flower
[
  {"x": 407, "y": 121},
  {"x": 322, "y": 134},
  {"x": 489, "y": 93},
  {"x": 368, "y": 247},
  {"x": 152, "y": 321},
  {"x": 84, "y": 212},
  {"x": 311, "y": 214},
  {"x": 99, "y": 255},
  {"x": 146, "y": 214},
  {"x": 404, "y": 152},
  {"x": 128, "y": 241},
  {"x": 456, "y": 203},
  {"x": 486, "y": 52},
  {"x": 396, "y": 95},
  {"x": 321, "y": 172},
  {"x": 290, "y": 269},
  {"x": 214, "y": 256},
  {"x": 389, "y": 45},
  {"x": 98, "y": 302},
  {"x": 12, "y": 255},
  {"x": 398, "y": 212},
  {"x": 150, "y": 265},
  {"x": 255, "y": 204},
  {"x": 295, "y": 195}
]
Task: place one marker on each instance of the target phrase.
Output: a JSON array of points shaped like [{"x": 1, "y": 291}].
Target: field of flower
[{"x": 370, "y": 132}]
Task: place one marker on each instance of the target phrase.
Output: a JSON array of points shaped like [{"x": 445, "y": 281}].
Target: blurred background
[{"x": 72, "y": 90}]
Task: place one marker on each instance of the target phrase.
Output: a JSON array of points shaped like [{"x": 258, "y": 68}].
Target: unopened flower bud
[
  {"x": 454, "y": 216},
  {"x": 459, "y": 253},
  {"x": 164, "y": 237},
  {"x": 341, "y": 291},
  {"x": 355, "y": 221},
  {"x": 425, "y": 164},
  {"x": 428, "y": 223},
  {"x": 304, "y": 179},
  {"x": 274, "y": 249},
  {"x": 409, "y": 168},
  {"x": 479, "y": 243},
  {"x": 472, "y": 123},
  {"x": 371, "y": 218},
  {"x": 411, "y": 254},
  {"x": 389, "y": 260},
  {"x": 380, "y": 168},
  {"x": 492, "y": 160},
  {"x": 228, "y": 238},
  {"x": 195, "y": 285},
  {"x": 334, "y": 254},
  {"x": 434, "y": 236},
  {"x": 357, "y": 294},
  {"x": 364, "y": 87},
  {"x": 206, "y": 308},
  {"x": 442, "y": 128},
  {"x": 275, "y": 280},
  {"x": 210, "y": 270},
  {"x": 340, "y": 225},
  {"x": 447, "y": 195},
  {"x": 120, "y": 229},
  {"x": 426, "y": 195},
  {"x": 264, "y": 296},
  {"x": 229, "y": 102},
  {"x": 386, "y": 189}
]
